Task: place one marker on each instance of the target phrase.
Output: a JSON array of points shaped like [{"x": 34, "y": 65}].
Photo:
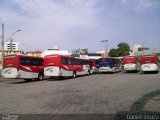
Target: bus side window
[
  {"x": 81, "y": 62},
  {"x": 72, "y": 61},
  {"x": 22, "y": 61},
  {"x": 33, "y": 61},
  {"x": 78, "y": 61},
  {"x": 75, "y": 61},
  {"x": 111, "y": 60},
  {"x": 38, "y": 62},
  {"x": 41, "y": 62},
  {"x": 64, "y": 60},
  {"x": 69, "y": 60}
]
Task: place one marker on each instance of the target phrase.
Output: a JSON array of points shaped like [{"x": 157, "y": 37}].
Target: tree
[
  {"x": 113, "y": 52},
  {"x": 123, "y": 49}
]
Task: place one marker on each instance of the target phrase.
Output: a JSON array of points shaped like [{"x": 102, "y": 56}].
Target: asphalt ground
[{"x": 107, "y": 94}]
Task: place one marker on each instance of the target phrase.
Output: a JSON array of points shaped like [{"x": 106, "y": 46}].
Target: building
[
  {"x": 137, "y": 48},
  {"x": 11, "y": 45},
  {"x": 148, "y": 52},
  {"x": 142, "y": 48},
  {"x": 10, "y": 52},
  {"x": 34, "y": 53},
  {"x": 134, "y": 49}
]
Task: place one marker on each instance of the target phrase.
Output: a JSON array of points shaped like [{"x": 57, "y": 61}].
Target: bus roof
[
  {"x": 110, "y": 57},
  {"x": 60, "y": 55},
  {"x": 22, "y": 56}
]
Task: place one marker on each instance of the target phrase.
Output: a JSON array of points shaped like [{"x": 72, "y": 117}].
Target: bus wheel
[
  {"x": 89, "y": 72},
  {"x": 74, "y": 75},
  {"x": 28, "y": 80},
  {"x": 40, "y": 77},
  {"x": 61, "y": 77}
]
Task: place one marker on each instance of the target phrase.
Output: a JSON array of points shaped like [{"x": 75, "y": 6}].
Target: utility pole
[
  {"x": 11, "y": 42},
  {"x": 105, "y": 41},
  {"x": 2, "y": 44}
]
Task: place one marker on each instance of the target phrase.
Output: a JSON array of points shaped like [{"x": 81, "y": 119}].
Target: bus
[
  {"x": 110, "y": 64},
  {"x": 65, "y": 66},
  {"x": 131, "y": 63},
  {"x": 25, "y": 67},
  {"x": 149, "y": 63},
  {"x": 94, "y": 65}
]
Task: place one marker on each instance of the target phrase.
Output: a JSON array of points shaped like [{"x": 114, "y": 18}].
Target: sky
[{"x": 74, "y": 24}]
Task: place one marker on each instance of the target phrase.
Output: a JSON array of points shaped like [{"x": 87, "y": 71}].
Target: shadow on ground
[
  {"x": 150, "y": 72},
  {"x": 64, "y": 78},
  {"x": 24, "y": 82},
  {"x": 137, "y": 109}
]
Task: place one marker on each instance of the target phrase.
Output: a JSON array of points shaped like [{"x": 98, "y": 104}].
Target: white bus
[
  {"x": 25, "y": 67},
  {"x": 149, "y": 63},
  {"x": 65, "y": 66},
  {"x": 131, "y": 63}
]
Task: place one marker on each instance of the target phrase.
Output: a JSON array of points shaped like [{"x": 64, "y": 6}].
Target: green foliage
[
  {"x": 113, "y": 53},
  {"x": 122, "y": 50}
]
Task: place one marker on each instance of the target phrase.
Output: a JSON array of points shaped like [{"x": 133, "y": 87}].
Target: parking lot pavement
[
  {"x": 94, "y": 94},
  {"x": 5, "y": 80}
]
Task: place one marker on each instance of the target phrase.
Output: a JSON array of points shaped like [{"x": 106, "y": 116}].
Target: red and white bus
[
  {"x": 94, "y": 65},
  {"x": 25, "y": 67},
  {"x": 131, "y": 63},
  {"x": 65, "y": 66},
  {"x": 149, "y": 63}
]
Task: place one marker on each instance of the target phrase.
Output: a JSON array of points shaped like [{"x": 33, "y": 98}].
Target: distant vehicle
[
  {"x": 110, "y": 64},
  {"x": 25, "y": 67},
  {"x": 65, "y": 66},
  {"x": 149, "y": 63},
  {"x": 131, "y": 63},
  {"x": 94, "y": 65}
]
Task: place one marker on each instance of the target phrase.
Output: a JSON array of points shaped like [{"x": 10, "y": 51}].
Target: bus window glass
[{"x": 64, "y": 61}]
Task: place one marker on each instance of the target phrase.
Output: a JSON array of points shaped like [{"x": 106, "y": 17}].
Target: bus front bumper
[
  {"x": 147, "y": 68},
  {"x": 130, "y": 68},
  {"x": 105, "y": 69}
]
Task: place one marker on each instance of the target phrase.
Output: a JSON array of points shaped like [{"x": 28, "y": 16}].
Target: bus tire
[
  {"x": 89, "y": 72},
  {"x": 40, "y": 76},
  {"x": 74, "y": 75},
  {"x": 62, "y": 77}
]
